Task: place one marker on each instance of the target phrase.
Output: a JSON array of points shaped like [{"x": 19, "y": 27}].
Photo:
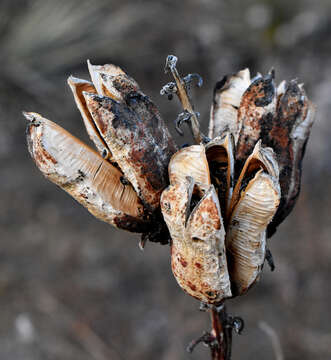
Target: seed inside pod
[{"x": 220, "y": 156}]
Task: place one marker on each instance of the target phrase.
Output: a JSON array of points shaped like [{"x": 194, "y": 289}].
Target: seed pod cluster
[
  {"x": 219, "y": 200},
  {"x": 252, "y": 166},
  {"x": 122, "y": 183}
]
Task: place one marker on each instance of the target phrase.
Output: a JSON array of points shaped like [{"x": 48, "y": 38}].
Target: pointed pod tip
[
  {"x": 71, "y": 80},
  {"x": 30, "y": 116}
]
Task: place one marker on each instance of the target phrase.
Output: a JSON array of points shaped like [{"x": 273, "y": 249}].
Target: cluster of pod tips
[
  {"x": 121, "y": 182},
  {"x": 227, "y": 196}
]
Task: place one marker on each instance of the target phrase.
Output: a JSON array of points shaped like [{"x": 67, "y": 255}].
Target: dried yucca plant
[{"x": 215, "y": 202}]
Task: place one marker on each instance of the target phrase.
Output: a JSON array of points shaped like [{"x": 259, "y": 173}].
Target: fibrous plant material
[
  {"x": 215, "y": 202},
  {"x": 122, "y": 184}
]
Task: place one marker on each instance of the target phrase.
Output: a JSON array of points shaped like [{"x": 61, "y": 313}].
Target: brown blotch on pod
[
  {"x": 256, "y": 111},
  {"x": 198, "y": 257},
  {"x": 138, "y": 139}
]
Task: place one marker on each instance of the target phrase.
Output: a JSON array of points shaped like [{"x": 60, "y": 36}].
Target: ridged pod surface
[{"x": 84, "y": 174}]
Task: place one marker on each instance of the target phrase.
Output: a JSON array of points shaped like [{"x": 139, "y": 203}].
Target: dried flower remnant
[{"x": 122, "y": 184}]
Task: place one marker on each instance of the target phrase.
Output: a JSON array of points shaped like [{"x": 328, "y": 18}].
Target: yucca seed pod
[
  {"x": 138, "y": 140},
  {"x": 77, "y": 87},
  {"x": 84, "y": 174},
  {"x": 261, "y": 158},
  {"x": 190, "y": 161},
  {"x": 110, "y": 80},
  {"x": 226, "y": 102},
  {"x": 255, "y": 114},
  {"x": 198, "y": 258},
  {"x": 288, "y": 136},
  {"x": 246, "y": 233},
  {"x": 127, "y": 129}
]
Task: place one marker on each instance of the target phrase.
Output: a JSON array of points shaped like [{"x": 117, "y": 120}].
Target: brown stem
[
  {"x": 217, "y": 352},
  {"x": 184, "y": 98},
  {"x": 222, "y": 333}
]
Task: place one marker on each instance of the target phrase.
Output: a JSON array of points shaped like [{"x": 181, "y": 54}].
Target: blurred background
[{"x": 72, "y": 287}]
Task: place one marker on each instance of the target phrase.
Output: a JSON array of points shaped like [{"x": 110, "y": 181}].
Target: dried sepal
[
  {"x": 198, "y": 257},
  {"x": 84, "y": 174},
  {"x": 138, "y": 139},
  {"x": 220, "y": 156},
  {"x": 246, "y": 233},
  {"x": 255, "y": 114},
  {"x": 190, "y": 161},
  {"x": 226, "y": 102}
]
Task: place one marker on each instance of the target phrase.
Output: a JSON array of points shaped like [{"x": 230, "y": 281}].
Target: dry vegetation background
[{"x": 72, "y": 287}]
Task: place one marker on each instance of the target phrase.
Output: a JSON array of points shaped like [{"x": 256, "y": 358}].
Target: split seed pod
[
  {"x": 255, "y": 201},
  {"x": 192, "y": 213},
  {"x": 123, "y": 184},
  {"x": 243, "y": 212},
  {"x": 280, "y": 117}
]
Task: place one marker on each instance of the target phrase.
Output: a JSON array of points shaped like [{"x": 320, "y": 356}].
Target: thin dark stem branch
[{"x": 217, "y": 351}]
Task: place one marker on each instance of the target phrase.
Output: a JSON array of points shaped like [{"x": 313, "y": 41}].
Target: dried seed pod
[
  {"x": 255, "y": 114},
  {"x": 198, "y": 257},
  {"x": 112, "y": 81},
  {"x": 84, "y": 174},
  {"x": 190, "y": 161},
  {"x": 78, "y": 86},
  {"x": 138, "y": 140},
  {"x": 246, "y": 234},
  {"x": 261, "y": 158},
  {"x": 220, "y": 156},
  {"x": 288, "y": 136},
  {"x": 226, "y": 102}
]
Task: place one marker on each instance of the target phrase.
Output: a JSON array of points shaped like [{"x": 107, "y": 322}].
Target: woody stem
[{"x": 222, "y": 334}]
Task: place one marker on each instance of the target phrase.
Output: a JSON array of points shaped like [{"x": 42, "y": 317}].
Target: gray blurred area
[{"x": 72, "y": 287}]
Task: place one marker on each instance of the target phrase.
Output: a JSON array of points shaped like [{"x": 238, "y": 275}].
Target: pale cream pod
[
  {"x": 190, "y": 161},
  {"x": 191, "y": 210},
  {"x": 255, "y": 200},
  {"x": 84, "y": 174},
  {"x": 198, "y": 258},
  {"x": 226, "y": 101},
  {"x": 246, "y": 233}
]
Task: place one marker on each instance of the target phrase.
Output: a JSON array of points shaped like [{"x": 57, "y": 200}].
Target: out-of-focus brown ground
[{"x": 72, "y": 287}]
